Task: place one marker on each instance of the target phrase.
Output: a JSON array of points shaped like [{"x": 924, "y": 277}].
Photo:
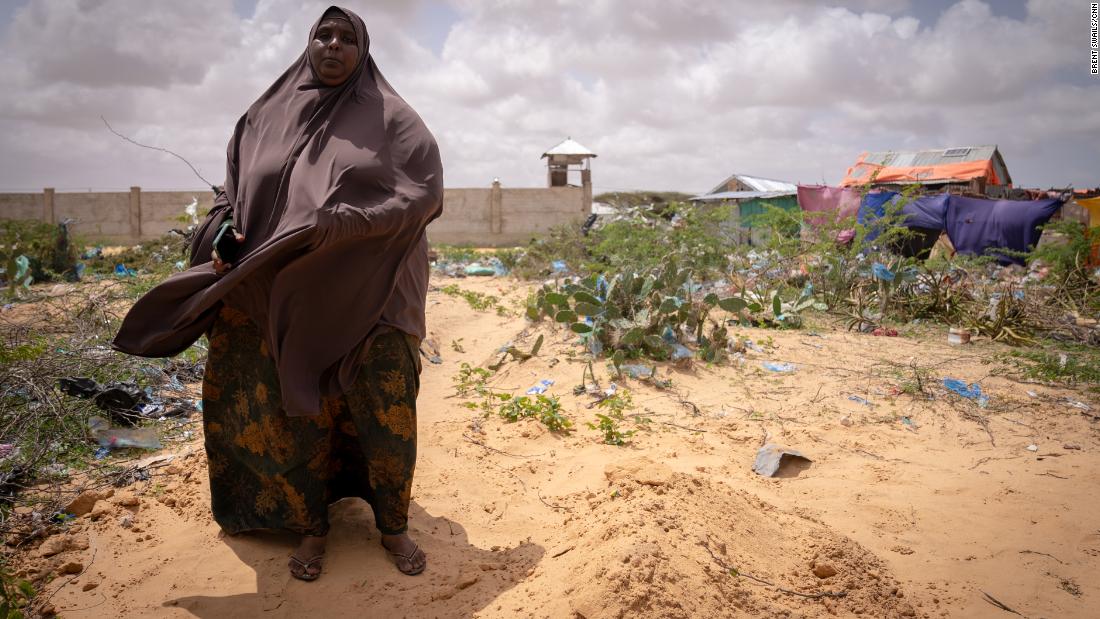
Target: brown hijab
[{"x": 332, "y": 188}]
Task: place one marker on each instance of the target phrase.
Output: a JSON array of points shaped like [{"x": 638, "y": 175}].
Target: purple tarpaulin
[
  {"x": 926, "y": 212},
  {"x": 923, "y": 212},
  {"x": 976, "y": 226}
]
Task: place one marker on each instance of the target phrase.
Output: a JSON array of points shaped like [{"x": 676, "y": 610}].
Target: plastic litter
[
  {"x": 22, "y": 265},
  {"x": 541, "y": 387},
  {"x": 859, "y": 400},
  {"x": 1033, "y": 447},
  {"x": 880, "y": 272},
  {"x": 679, "y": 351},
  {"x": 1076, "y": 404},
  {"x": 117, "y": 398},
  {"x": 771, "y": 458},
  {"x": 637, "y": 370},
  {"x": 559, "y": 266},
  {"x": 432, "y": 354},
  {"x": 119, "y": 438},
  {"x": 971, "y": 392},
  {"x": 782, "y": 368},
  {"x": 595, "y": 346},
  {"x": 121, "y": 270},
  {"x": 478, "y": 270}
]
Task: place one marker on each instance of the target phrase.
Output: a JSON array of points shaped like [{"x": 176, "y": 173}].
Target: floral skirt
[{"x": 271, "y": 471}]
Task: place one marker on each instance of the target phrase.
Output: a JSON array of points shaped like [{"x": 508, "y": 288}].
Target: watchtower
[{"x": 569, "y": 156}]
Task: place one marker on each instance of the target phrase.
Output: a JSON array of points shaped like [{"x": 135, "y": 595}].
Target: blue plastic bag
[
  {"x": 541, "y": 387},
  {"x": 880, "y": 271},
  {"x": 971, "y": 392},
  {"x": 782, "y": 368}
]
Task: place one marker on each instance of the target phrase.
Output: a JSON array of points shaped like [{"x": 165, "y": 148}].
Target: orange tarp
[{"x": 862, "y": 171}]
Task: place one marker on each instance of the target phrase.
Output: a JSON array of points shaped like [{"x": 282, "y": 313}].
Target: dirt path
[{"x": 916, "y": 508}]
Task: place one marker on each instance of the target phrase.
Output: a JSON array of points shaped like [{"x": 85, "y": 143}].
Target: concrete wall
[
  {"x": 499, "y": 216},
  {"x": 161, "y": 210},
  {"x": 491, "y": 216},
  {"x": 21, "y": 205}
]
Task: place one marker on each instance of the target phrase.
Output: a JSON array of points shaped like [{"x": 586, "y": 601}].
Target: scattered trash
[
  {"x": 1032, "y": 394},
  {"x": 1071, "y": 446},
  {"x": 859, "y": 400},
  {"x": 771, "y": 458},
  {"x": 958, "y": 337},
  {"x": 192, "y": 211},
  {"x": 782, "y": 368},
  {"x": 432, "y": 354},
  {"x": 880, "y": 272},
  {"x": 119, "y": 438},
  {"x": 679, "y": 351},
  {"x": 117, "y": 398},
  {"x": 846, "y": 421},
  {"x": 972, "y": 392},
  {"x": 559, "y": 266},
  {"x": 637, "y": 370},
  {"x": 478, "y": 270},
  {"x": 541, "y": 387},
  {"x": 881, "y": 332},
  {"x": 1077, "y": 404},
  {"x": 1033, "y": 447},
  {"x": 94, "y": 252},
  {"x": 22, "y": 266},
  {"x": 908, "y": 421},
  {"x": 121, "y": 270}
]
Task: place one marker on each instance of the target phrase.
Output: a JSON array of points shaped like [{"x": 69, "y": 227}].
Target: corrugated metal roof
[
  {"x": 757, "y": 183},
  {"x": 569, "y": 147},
  {"x": 743, "y": 195},
  {"x": 911, "y": 158}
]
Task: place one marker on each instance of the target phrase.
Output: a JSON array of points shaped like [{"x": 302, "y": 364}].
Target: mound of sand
[{"x": 664, "y": 544}]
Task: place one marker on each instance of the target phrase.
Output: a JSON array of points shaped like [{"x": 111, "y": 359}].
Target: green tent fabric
[
  {"x": 750, "y": 210},
  {"x": 757, "y": 206}
]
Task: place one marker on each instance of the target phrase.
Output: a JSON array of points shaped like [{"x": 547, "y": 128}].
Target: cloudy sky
[{"x": 672, "y": 94}]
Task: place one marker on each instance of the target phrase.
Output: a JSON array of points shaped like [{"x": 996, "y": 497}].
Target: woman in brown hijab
[{"x": 309, "y": 394}]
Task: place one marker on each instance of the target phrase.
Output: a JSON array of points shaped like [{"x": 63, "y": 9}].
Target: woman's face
[{"x": 334, "y": 51}]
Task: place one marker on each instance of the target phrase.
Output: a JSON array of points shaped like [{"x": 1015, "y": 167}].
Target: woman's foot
[
  {"x": 305, "y": 563},
  {"x": 408, "y": 557}
]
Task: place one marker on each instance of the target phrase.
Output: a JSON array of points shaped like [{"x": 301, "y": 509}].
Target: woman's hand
[{"x": 221, "y": 267}]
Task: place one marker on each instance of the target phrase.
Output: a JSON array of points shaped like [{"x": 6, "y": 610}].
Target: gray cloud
[{"x": 670, "y": 93}]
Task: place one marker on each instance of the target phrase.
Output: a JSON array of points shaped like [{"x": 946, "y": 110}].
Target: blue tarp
[
  {"x": 923, "y": 212},
  {"x": 872, "y": 208},
  {"x": 927, "y": 212},
  {"x": 976, "y": 226}
]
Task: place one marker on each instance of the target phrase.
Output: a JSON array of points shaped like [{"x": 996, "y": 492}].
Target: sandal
[
  {"x": 300, "y": 569},
  {"x": 408, "y": 557}
]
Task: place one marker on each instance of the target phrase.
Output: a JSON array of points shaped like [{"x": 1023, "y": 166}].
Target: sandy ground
[{"x": 916, "y": 507}]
